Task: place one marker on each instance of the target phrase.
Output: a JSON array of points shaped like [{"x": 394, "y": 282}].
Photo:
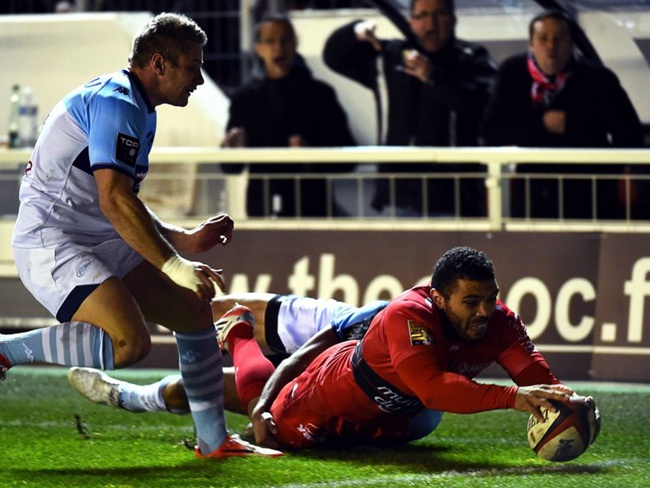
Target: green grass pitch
[{"x": 52, "y": 437}]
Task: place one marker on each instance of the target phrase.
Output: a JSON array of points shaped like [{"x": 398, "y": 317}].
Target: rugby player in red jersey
[{"x": 418, "y": 359}]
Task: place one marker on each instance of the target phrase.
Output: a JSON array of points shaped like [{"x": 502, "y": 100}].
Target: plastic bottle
[
  {"x": 14, "y": 123},
  {"x": 28, "y": 118}
]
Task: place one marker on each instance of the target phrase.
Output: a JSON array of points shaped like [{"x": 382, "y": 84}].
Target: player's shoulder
[
  {"x": 415, "y": 301},
  {"x": 120, "y": 88},
  {"x": 106, "y": 92},
  {"x": 505, "y": 314},
  {"x": 92, "y": 98}
]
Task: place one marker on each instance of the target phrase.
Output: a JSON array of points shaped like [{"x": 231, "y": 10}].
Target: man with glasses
[{"x": 432, "y": 97}]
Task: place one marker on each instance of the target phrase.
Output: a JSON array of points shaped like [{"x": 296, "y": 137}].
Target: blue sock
[
  {"x": 201, "y": 367},
  {"x": 68, "y": 344}
]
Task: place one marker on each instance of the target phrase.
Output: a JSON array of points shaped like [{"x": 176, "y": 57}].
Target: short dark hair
[
  {"x": 460, "y": 263},
  {"x": 450, "y": 6},
  {"x": 270, "y": 18},
  {"x": 167, "y": 34},
  {"x": 560, "y": 15}
]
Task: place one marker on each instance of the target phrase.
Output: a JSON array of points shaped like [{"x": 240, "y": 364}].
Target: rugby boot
[
  {"x": 234, "y": 446},
  {"x": 237, "y": 315}
]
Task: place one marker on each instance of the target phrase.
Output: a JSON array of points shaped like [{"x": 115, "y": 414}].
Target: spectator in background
[
  {"x": 434, "y": 99},
  {"x": 284, "y": 106},
  {"x": 549, "y": 97}
]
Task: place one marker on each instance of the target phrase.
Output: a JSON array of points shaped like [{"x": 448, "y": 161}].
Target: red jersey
[{"x": 410, "y": 359}]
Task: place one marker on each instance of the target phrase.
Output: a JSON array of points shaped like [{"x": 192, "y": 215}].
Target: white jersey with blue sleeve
[{"x": 106, "y": 123}]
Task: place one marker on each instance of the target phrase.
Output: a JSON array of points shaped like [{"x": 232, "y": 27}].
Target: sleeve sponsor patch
[
  {"x": 126, "y": 149},
  {"x": 419, "y": 334}
]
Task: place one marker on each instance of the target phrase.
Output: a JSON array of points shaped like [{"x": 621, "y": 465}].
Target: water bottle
[
  {"x": 28, "y": 118},
  {"x": 14, "y": 123}
]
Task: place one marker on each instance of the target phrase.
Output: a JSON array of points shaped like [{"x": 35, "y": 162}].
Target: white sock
[{"x": 144, "y": 398}]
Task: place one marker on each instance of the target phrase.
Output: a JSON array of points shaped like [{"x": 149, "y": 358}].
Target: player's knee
[{"x": 132, "y": 350}]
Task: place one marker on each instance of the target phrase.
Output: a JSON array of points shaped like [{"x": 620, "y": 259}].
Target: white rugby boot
[
  {"x": 95, "y": 385},
  {"x": 236, "y": 315}
]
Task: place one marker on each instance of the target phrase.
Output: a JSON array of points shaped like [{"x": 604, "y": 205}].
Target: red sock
[{"x": 252, "y": 368}]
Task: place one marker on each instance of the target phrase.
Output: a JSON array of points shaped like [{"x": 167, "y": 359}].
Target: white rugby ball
[{"x": 567, "y": 433}]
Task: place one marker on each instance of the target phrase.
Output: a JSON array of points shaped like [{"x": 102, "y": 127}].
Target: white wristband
[{"x": 181, "y": 271}]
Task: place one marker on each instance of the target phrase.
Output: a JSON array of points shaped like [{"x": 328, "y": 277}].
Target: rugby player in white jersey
[
  {"x": 282, "y": 323},
  {"x": 96, "y": 257}
]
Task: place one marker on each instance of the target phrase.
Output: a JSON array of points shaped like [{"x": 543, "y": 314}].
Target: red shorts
[{"x": 324, "y": 406}]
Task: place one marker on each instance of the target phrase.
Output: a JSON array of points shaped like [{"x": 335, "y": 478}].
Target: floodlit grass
[{"x": 52, "y": 437}]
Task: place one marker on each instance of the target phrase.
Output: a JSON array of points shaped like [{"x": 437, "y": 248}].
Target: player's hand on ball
[{"x": 532, "y": 398}]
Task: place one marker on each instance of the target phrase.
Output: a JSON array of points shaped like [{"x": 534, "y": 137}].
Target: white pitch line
[{"x": 418, "y": 479}]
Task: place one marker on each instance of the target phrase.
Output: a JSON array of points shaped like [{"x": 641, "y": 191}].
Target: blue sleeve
[
  {"x": 344, "y": 324},
  {"x": 116, "y": 130}
]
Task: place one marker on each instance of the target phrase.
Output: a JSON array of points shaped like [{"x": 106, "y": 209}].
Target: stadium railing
[{"x": 187, "y": 184}]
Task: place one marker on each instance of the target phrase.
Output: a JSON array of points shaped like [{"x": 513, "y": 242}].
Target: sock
[
  {"x": 145, "y": 398},
  {"x": 252, "y": 368},
  {"x": 201, "y": 364},
  {"x": 68, "y": 344}
]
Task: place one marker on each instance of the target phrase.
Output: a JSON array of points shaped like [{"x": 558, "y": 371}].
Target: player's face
[
  {"x": 433, "y": 23},
  {"x": 277, "y": 49},
  {"x": 182, "y": 77},
  {"x": 469, "y": 307},
  {"x": 551, "y": 45}
]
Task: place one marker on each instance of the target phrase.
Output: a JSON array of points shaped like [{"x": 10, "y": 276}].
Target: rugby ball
[{"x": 567, "y": 433}]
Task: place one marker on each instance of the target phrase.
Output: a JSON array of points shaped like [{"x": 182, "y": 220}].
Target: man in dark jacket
[
  {"x": 433, "y": 98},
  {"x": 548, "y": 97},
  {"x": 284, "y": 106}
]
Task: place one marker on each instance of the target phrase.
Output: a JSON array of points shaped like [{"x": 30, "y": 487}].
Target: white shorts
[
  {"x": 61, "y": 277},
  {"x": 291, "y": 320}
]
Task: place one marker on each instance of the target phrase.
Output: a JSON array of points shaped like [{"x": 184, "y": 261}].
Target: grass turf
[{"x": 52, "y": 437}]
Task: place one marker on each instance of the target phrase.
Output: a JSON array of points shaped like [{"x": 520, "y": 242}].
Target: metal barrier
[{"x": 187, "y": 184}]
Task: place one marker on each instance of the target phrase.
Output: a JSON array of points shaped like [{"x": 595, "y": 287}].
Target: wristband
[{"x": 181, "y": 272}]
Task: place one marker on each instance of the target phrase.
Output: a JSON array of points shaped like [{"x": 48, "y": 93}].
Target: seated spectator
[
  {"x": 435, "y": 98},
  {"x": 549, "y": 97},
  {"x": 284, "y": 106}
]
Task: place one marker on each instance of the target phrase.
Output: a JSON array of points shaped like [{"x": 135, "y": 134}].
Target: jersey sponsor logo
[
  {"x": 391, "y": 401},
  {"x": 419, "y": 334},
  {"x": 471, "y": 370},
  {"x": 126, "y": 149}
]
